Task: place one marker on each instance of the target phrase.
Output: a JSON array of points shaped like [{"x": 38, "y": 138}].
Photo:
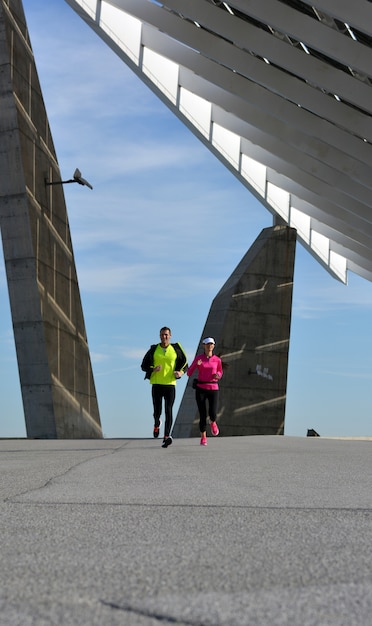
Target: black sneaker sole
[{"x": 167, "y": 442}]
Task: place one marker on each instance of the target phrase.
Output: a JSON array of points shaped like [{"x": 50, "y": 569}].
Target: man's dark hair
[{"x": 165, "y": 328}]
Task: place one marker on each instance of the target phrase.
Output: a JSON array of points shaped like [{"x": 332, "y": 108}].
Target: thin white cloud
[
  {"x": 142, "y": 279},
  {"x": 97, "y": 357},
  {"x": 101, "y": 279},
  {"x": 356, "y": 375},
  {"x": 132, "y": 353},
  {"x": 319, "y": 300},
  {"x": 115, "y": 371}
]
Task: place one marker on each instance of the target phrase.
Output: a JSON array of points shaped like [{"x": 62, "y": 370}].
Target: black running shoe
[
  {"x": 157, "y": 430},
  {"x": 166, "y": 442}
]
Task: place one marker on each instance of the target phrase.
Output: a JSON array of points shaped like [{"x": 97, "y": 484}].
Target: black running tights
[
  {"x": 168, "y": 392},
  {"x": 206, "y": 398}
]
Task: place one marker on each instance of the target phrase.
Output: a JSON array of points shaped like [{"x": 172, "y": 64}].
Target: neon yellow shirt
[{"x": 166, "y": 357}]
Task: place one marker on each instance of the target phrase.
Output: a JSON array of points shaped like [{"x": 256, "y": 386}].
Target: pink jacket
[{"x": 209, "y": 370}]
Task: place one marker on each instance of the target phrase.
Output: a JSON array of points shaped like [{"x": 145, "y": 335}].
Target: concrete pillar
[
  {"x": 250, "y": 321},
  {"x": 57, "y": 385}
]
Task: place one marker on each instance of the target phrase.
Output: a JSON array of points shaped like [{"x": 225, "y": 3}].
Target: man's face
[{"x": 165, "y": 336}]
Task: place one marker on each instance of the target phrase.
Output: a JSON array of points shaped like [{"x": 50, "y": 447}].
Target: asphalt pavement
[{"x": 259, "y": 531}]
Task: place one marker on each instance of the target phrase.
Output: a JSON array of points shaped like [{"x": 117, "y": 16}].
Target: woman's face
[{"x": 208, "y": 348}]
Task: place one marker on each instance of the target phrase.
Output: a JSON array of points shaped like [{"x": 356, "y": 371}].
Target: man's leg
[
  {"x": 157, "y": 396},
  {"x": 169, "y": 394}
]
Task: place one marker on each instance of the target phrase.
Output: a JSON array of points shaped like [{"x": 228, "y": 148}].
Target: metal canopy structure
[{"x": 279, "y": 90}]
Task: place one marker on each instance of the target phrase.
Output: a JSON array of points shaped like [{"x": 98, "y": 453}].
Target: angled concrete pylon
[
  {"x": 250, "y": 321},
  {"x": 57, "y": 385}
]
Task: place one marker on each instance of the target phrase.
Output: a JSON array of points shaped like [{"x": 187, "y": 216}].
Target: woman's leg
[
  {"x": 201, "y": 401},
  {"x": 213, "y": 404}
]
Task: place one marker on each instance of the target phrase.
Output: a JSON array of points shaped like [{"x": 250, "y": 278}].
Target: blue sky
[{"x": 162, "y": 230}]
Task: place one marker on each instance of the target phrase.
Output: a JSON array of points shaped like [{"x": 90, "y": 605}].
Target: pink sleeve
[{"x": 192, "y": 367}]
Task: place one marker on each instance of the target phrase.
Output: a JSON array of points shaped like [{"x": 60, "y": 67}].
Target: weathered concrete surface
[
  {"x": 250, "y": 320},
  {"x": 250, "y": 530},
  {"x": 57, "y": 385}
]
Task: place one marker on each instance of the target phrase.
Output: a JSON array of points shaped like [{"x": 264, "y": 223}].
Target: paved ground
[{"x": 248, "y": 531}]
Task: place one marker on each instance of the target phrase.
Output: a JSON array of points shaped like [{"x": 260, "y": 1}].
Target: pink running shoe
[
  {"x": 214, "y": 429},
  {"x": 203, "y": 441}
]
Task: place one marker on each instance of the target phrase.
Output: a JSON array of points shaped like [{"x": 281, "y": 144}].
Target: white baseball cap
[{"x": 209, "y": 340}]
